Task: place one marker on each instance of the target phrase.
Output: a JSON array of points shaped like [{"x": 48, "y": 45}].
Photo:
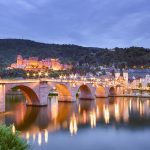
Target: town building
[{"x": 143, "y": 83}]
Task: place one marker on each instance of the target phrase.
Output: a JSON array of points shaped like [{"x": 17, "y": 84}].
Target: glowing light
[
  {"x": 39, "y": 139},
  {"x": 79, "y": 108},
  {"x": 130, "y": 105},
  {"x": 39, "y": 73},
  {"x": 73, "y": 125},
  {"x": 46, "y": 74},
  {"x": 75, "y": 76},
  {"x": 73, "y": 85},
  {"x": 148, "y": 103},
  {"x": 46, "y": 136},
  {"x": 84, "y": 116},
  {"x": 106, "y": 114},
  {"x": 71, "y": 76},
  {"x": 137, "y": 104},
  {"x": 13, "y": 129},
  {"x": 64, "y": 77},
  {"x": 34, "y": 75},
  {"x": 93, "y": 85},
  {"x": 27, "y": 136},
  {"x": 93, "y": 119},
  {"x": 117, "y": 115},
  {"x": 106, "y": 80},
  {"x": 60, "y": 76},
  {"x": 28, "y": 74}
]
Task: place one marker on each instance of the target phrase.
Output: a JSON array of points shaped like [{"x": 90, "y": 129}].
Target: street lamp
[
  {"x": 46, "y": 74},
  {"x": 39, "y": 74},
  {"x": 75, "y": 76},
  {"x": 71, "y": 76},
  {"x": 61, "y": 76},
  {"x": 28, "y": 74},
  {"x": 64, "y": 77},
  {"x": 34, "y": 75}
]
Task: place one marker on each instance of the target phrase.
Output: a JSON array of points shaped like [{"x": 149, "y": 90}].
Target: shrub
[{"x": 10, "y": 141}]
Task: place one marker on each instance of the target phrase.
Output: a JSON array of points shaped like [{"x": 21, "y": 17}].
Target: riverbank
[{"x": 9, "y": 139}]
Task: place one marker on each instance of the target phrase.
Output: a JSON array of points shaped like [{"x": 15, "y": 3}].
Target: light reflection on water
[{"x": 60, "y": 120}]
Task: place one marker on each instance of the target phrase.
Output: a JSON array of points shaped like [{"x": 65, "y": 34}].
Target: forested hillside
[{"x": 10, "y": 48}]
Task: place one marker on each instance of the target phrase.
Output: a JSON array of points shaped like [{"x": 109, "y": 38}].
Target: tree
[{"x": 11, "y": 141}]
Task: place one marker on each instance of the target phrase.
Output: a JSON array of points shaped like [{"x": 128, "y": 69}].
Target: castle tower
[
  {"x": 125, "y": 76},
  {"x": 117, "y": 74},
  {"x": 19, "y": 60},
  {"x": 56, "y": 65}
]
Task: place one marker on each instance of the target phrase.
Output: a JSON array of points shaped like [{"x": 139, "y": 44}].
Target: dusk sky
[{"x": 97, "y": 23}]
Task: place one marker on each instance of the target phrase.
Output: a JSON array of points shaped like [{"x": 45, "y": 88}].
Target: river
[{"x": 106, "y": 124}]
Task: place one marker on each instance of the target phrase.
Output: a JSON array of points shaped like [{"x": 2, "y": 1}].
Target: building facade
[{"x": 33, "y": 63}]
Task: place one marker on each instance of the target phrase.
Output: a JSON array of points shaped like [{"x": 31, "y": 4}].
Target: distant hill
[{"x": 10, "y": 48}]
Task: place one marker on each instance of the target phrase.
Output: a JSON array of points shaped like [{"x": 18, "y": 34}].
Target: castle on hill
[{"x": 34, "y": 64}]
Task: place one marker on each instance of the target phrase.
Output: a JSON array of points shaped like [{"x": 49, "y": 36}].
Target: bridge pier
[
  {"x": 86, "y": 96},
  {"x": 43, "y": 96},
  {"x": 2, "y": 98},
  {"x": 62, "y": 98},
  {"x": 119, "y": 91}
]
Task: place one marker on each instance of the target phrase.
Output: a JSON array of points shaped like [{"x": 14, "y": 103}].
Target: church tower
[
  {"x": 19, "y": 60},
  {"x": 117, "y": 74},
  {"x": 125, "y": 76}
]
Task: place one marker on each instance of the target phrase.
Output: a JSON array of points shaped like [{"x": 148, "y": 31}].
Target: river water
[{"x": 102, "y": 124}]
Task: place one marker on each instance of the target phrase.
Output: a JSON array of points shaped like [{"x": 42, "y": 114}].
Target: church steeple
[{"x": 19, "y": 60}]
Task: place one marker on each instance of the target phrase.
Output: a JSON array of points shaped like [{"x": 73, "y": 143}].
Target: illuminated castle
[{"x": 33, "y": 63}]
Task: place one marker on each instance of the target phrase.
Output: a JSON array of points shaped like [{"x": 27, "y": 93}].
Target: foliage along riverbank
[{"x": 10, "y": 140}]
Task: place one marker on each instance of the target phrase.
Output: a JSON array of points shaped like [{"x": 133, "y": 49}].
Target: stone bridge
[{"x": 36, "y": 91}]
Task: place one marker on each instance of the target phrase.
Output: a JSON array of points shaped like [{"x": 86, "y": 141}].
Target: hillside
[{"x": 10, "y": 48}]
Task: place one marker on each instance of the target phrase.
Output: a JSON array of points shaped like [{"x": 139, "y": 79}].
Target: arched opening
[
  {"x": 30, "y": 96},
  {"x": 119, "y": 90},
  {"x": 100, "y": 92},
  {"x": 85, "y": 93},
  {"x": 112, "y": 91},
  {"x": 63, "y": 92}
]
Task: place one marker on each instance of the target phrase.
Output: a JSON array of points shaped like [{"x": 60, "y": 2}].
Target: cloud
[{"x": 102, "y": 23}]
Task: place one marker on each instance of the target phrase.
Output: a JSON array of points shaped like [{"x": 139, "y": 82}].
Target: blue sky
[{"x": 97, "y": 23}]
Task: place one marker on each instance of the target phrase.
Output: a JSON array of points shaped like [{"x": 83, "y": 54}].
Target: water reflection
[
  {"x": 106, "y": 114},
  {"x": 73, "y": 125},
  {"x": 37, "y": 123},
  {"x": 46, "y": 136},
  {"x": 13, "y": 129}
]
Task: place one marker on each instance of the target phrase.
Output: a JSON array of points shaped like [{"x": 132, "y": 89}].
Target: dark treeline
[{"x": 133, "y": 56}]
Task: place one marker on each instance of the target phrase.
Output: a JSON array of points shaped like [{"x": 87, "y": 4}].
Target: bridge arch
[
  {"x": 85, "y": 92},
  {"x": 101, "y": 92},
  {"x": 30, "y": 94},
  {"x": 64, "y": 93},
  {"x": 112, "y": 91}
]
